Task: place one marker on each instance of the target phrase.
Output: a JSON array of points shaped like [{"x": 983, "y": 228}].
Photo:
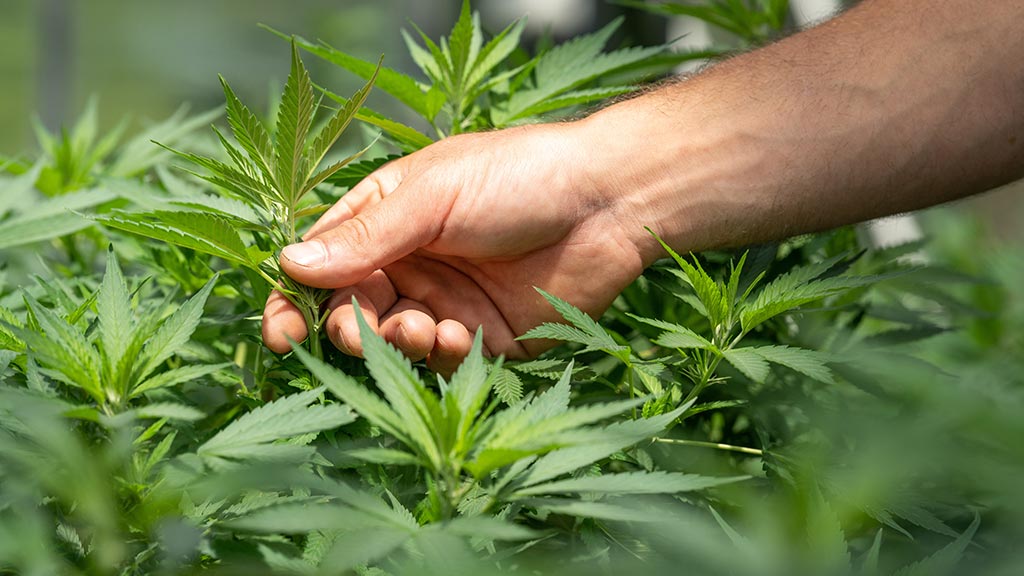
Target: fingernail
[{"x": 306, "y": 254}]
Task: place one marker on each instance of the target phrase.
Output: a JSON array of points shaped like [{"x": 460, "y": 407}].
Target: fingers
[
  {"x": 452, "y": 344},
  {"x": 374, "y": 295},
  {"x": 367, "y": 236},
  {"x": 410, "y": 327},
  {"x": 281, "y": 321},
  {"x": 369, "y": 191}
]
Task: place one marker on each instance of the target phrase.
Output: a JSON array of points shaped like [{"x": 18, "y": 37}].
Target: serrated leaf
[
  {"x": 592, "y": 509},
  {"x": 365, "y": 403},
  {"x": 396, "y": 378},
  {"x": 114, "y": 312},
  {"x": 294, "y": 119},
  {"x": 337, "y": 123},
  {"x": 176, "y": 376},
  {"x": 251, "y": 134},
  {"x": 708, "y": 291},
  {"x": 574, "y": 98},
  {"x": 138, "y": 153},
  {"x": 507, "y": 386},
  {"x": 402, "y": 87},
  {"x": 169, "y": 410},
  {"x": 385, "y": 456},
  {"x": 748, "y": 362},
  {"x": 682, "y": 340},
  {"x": 202, "y": 232},
  {"x": 63, "y": 348},
  {"x": 611, "y": 439},
  {"x": 173, "y": 333},
  {"x": 807, "y": 362},
  {"x": 289, "y": 416},
  {"x": 568, "y": 66},
  {"x": 486, "y": 527},
  {"x": 584, "y": 330},
  {"x": 628, "y": 483}
]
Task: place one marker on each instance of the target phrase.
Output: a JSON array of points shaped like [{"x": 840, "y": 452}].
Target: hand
[{"x": 454, "y": 237}]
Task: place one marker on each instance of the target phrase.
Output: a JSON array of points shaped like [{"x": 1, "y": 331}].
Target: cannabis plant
[
  {"x": 470, "y": 84},
  {"x": 266, "y": 185}
]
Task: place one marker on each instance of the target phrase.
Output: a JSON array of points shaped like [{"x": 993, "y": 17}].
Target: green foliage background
[{"x": 814, "y": 406}]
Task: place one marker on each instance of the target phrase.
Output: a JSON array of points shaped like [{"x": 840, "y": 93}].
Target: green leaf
[
  {"x": 138, "y": 154},
  {"x": 592, "y": 509},
  {"x": 176, "y": 376},
  {"x": 170, "y": 411},
  {"x": 396, "y": 378},
  {"x": 51, "y": 218},
  {"x": 173, "y": 333},
  {"x": 585, "y": 330},
  {"x": 402, "y": 87},
  {"x": 202, "y": 232},
  {"x": 495, "y": 52},
  {"x": 467, "y": 390},
  {"x": 569, "y": 65},
  {"x": 748, "y": 362},
  {"x": 384, "y": 456},
  {"x": 294, "y": 119},
  {"x": 869, "y": 565},
  {"x": 683, "y": 340},
  {"x": 460, "y": 44},
  {"x": 289, "y": 416},
  {"x": 807, "y": 362},
  {"x": 365, "y": 403},
  {"x": 353, "y": 174},
  {"x": 114, "y": 312},
  {"x": 604, "y": 443},
  {"x": 250, "y": 132},
  {"x": 507, "y": 386},
  {"x": 338, "y": 122},
  {"x": 708, "y": 291},
  {"x": 575, "y": 98},
  {"x": 628, "y": 483},
  {"x": 64, "y": 348}
]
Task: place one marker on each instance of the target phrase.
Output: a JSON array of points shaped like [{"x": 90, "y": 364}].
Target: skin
[{"x": 893, "y": 106}]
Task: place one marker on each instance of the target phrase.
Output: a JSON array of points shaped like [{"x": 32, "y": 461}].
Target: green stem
[{"x": 715, "y": 445}]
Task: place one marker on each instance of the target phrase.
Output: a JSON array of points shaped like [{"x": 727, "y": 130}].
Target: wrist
[{"x": 666, "y": 161}]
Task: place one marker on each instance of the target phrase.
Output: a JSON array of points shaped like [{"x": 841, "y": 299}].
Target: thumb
[{"x": 380, "y": 234}]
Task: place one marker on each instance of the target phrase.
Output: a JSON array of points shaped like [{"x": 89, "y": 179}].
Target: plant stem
[{"x": 715, "y": 445}]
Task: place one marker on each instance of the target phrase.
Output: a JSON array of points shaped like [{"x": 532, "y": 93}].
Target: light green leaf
[
  {"x": 402, "y": 87},
  {"x": 202, "y": 232},
  {"x": 507, "y": 386},
  {"x": 395, "y": 376},
  {"x": 570, "y": 65},
  {"x": 114, "y": 311},
  {"x": 289, "y": 416},
  {"x": 294, "y": 119},
  {"x": 251, "y": 134},
  {"x": 807, "y": 362},
  {"x": 169, "y": 410},
  {"x": 173, "y": 333},
  {"x": 748, "y": 362},
  {"x": 628, "y": 483},
  {"x": 176, "y": 376},
  {"x": 365, "y": 403}
]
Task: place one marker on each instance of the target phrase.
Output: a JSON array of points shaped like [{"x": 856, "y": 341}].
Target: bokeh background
[{"x": 142, "y": 60}]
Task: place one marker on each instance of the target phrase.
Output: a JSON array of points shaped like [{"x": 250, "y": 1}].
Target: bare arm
[{"x": 895, "y": 105}]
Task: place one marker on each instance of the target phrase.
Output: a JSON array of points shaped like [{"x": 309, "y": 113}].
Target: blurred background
[{"x": 142, "y": 60}]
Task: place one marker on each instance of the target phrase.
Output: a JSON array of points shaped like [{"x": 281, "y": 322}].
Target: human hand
[{"x": 455, "y": 237}]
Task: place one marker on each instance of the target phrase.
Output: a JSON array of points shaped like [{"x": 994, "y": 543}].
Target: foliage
[{"x": 805, "y": 407}]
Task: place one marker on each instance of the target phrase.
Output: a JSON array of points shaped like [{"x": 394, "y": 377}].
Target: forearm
[{"x": 896, "y": 105}]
